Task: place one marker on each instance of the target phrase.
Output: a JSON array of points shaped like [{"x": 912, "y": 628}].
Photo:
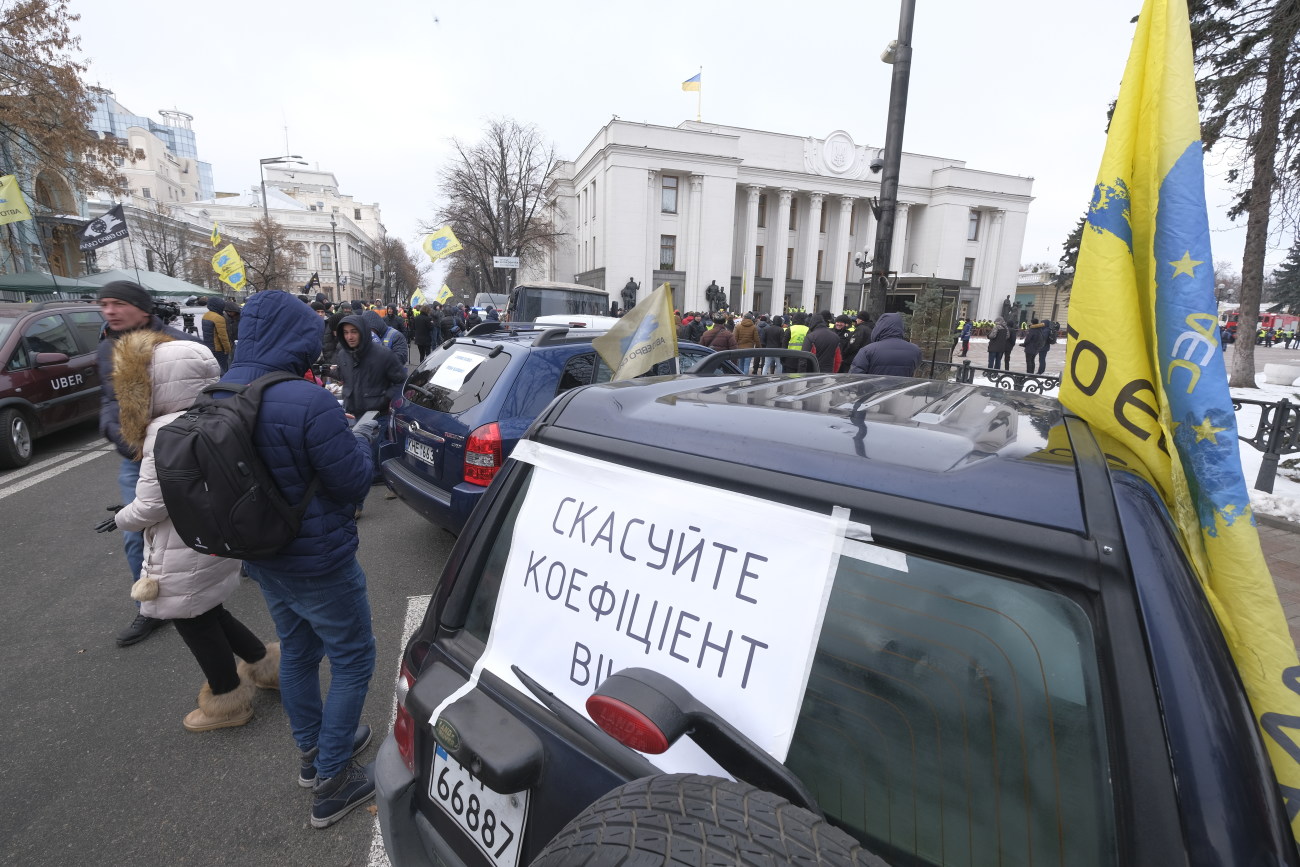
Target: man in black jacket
[
  {"x": 889, "y": 352},
  {"x": 774, "y": 337},
  {"x": 860, "y": 338},
  {"x": 126, "y": 306},
  {"x": 422, "y": 328},
  {"x": 822, "y": 341},
  {"x": 371, "y": 375}
]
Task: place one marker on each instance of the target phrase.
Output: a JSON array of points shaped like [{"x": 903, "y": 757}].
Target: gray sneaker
[{"x": 334, "y": 798}]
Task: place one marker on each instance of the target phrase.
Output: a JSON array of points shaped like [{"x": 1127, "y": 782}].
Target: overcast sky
[{"x": 373, "y": 91}]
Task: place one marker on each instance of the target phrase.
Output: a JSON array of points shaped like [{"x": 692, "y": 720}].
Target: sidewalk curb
[{"x": 1277, "y": 523}]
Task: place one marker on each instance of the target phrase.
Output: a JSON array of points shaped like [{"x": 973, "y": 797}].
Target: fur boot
[
  {"x": 228, "y": 709},
  {"x": 265, "y": 672}
]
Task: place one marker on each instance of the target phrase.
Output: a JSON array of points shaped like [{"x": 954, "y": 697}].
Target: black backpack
[{"x": 219, "y": 494}]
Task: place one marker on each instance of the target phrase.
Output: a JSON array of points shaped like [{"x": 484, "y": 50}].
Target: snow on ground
[{"x": 1284, "y": 502}]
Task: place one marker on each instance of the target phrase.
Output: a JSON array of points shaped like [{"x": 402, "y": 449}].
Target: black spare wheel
[{"x": 686, "y": 819}]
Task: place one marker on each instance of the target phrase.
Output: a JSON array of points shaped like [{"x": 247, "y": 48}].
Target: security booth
[{"x": 929, "y": 308}]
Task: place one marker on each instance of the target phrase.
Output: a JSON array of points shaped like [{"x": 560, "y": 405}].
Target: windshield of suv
[
  {"x": 529, "y": 302},
  {"x": 951, "y": 717}
]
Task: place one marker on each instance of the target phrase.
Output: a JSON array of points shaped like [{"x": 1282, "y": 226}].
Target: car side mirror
[{"x": 45, "y": 359}]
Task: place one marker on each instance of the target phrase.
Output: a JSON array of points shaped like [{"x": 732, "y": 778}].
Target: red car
[{"x": 48, "y": 376}]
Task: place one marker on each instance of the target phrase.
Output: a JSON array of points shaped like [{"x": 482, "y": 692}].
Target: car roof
[
  {"x": 970, "y": 447},
  {"x": 14, "y": 309}
]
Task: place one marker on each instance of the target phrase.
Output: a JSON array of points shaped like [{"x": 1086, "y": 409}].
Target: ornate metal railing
[
  {"x": 1032, "y": 383},
  {"x": 1277, "y": 434}
]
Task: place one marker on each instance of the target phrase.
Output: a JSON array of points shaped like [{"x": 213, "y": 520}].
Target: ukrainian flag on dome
[
  {"x": 1144, "y": 364},
  {"x": 440, "y": 243},
  {"x": 692, "y": 83}
]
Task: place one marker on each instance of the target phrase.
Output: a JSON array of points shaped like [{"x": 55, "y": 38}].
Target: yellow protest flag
[
  {"x": 644, "y": 336},
  {"x": 444, "y": 294},
  {"x": 216, "y": 234},
  {"x": 440, "y": 243},
  {"x": 13, "y": 207},
  {"x": 1145, "y": 368},
  {"x": 227, "y": 260},
  {"x": 418, "y": 298}
]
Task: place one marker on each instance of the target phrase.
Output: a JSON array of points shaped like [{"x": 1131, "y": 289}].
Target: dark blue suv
[{"x": 467, "y": 404}]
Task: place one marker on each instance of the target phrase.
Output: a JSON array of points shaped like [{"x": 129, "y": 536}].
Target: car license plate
[
  {"x": 422, "y": 452},
  {"x": 495, "y": 822}
]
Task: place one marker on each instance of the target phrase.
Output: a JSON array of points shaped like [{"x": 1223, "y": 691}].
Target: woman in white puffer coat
[{"x": 156, "y": 378}]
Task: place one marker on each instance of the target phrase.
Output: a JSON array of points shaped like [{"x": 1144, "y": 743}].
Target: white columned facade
[
  {"x": 780, "y": 241},
  {"x": 751, "y": 243},
  {"x": 989, "y": 268},
  {"x": 899, "y": 249},
  {"x": 840, "y": 255},
  {"x": 652, "y": 230},
  {"x": 693, "y": 291},
  {"x": 812, "y": 240}
]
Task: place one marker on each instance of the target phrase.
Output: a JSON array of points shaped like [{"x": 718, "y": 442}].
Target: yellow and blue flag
[
  {"x": 692, "y": 83},
  {"x": 644, "y": 336},
  {"x": 440, "y": 243},
  {"x": 13, "y": 207},
  {"x": 216, "y": 234},
  {"x": 418, "y": 298},
  {"x": 444, "y": 294},
  {"x": 226, "y": 260},
  {"x": 1145, "y": 366}
]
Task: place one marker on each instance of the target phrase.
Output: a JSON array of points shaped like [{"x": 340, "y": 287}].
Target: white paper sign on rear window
[
  {"x": 614, "y": 568},
  {"x": 451, "y": 373}
]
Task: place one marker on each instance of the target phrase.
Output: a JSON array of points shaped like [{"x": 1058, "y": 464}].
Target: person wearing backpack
[
  {"x": 314, "y": 586},
  {"x": 157, "y": 378},
  {"x": 388, "y": 337},
  {"x": 1001, "y": 340},
  {"x": 127, "y": 307}
]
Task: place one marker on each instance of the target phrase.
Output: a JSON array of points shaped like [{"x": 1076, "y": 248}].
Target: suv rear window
[
  {"x": 457, "y": 378},
  {"x": 950, "y": 714}
]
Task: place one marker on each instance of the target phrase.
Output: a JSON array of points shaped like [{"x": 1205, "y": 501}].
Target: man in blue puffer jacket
[{"x": 314, "y": 586}]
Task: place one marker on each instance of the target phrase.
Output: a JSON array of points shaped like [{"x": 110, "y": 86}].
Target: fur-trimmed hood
[{"x": 155, "y": 374}]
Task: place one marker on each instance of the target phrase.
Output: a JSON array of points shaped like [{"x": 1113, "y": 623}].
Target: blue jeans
[
  {"x": 769, "y": 365},
  {"x": 132, "y": 540},
  {"x": 320, "y": 616},
  {"x": 995, "y": 359}
]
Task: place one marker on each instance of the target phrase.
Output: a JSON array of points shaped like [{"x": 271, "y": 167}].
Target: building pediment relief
[{"x": 836, "y": 156}]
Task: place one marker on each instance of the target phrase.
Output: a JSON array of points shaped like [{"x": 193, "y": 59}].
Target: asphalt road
[{"x": 97, "y": 768}]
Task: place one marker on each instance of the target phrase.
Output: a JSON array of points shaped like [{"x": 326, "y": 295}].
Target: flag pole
[
  {"x": 699, "y": 96},
  {"x": 131, "y": 251}
]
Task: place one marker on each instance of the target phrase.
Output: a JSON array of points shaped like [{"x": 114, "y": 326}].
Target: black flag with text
[{"x": 104, "y": 230}]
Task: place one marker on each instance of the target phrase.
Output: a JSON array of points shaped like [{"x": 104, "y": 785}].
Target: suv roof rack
[{"x": 552, "y": 336}]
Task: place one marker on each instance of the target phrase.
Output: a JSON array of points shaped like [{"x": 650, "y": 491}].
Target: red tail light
[
  {"x": 483, "y": 455},
  {"x": 404, "y": 726},
  {"x": 626, "y": 724}
]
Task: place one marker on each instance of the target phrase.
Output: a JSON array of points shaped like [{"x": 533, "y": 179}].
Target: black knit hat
[{"x": 132, "y": 293}]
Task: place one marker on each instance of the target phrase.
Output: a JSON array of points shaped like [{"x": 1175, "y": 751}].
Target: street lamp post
[
  {"x": 266, "y": 214},
  {"x": 334, "y": 243},
  {"x": 864, "y": 263}
]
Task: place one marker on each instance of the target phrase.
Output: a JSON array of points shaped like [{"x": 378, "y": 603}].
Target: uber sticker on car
[
  {"x": 452, "y": 372},
  {"x": 612, "y": 568}
]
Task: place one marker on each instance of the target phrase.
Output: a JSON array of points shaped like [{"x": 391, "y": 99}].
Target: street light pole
[
  {"x": 899, "y": 53},
  {"x": 864, "y": 263},
  {"x": 266, "y": 214},
  {"x": 334, "y": 239}
]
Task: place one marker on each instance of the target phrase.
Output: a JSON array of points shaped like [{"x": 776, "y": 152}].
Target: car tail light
[
  {"x": 404, "y": 725},
  {"x": 626, "y": 724},
  {"x": 483, "y": 455}
]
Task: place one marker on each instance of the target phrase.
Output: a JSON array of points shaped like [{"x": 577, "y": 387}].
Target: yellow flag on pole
[
  {"x": 644, "y": 336},
  {"x": 1145, "y": 368},
  {"x": 227, "y": 260},
  {"x": 13, "y": 207},
  {"x": 440, "y": 243},
  {"x": 216, "y": 234},
  {"x": 444, "y": 294}
]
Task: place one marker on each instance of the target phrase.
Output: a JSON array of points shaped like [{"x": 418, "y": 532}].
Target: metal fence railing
[
  {"x": 1277, "y": 433},
  {"x": 1032, "y": 383}
]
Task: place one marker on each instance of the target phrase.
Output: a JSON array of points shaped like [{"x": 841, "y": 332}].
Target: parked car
[
  {"x": 466, "y": 405},
  {"x": 1011, "y": 662},
  {"x": 48, "y": 376}
]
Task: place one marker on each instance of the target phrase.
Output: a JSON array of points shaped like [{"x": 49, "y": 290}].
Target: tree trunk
[{"x": 1263, "y": 148}]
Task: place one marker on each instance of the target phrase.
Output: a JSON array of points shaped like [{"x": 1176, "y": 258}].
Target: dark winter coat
[
  {"x": 888, "y": 353},
  {"x": 302, "y": 434},
  {"x": 861, "y": 337},
  {"x": 388, "y": 337},
  {"x": 216, "y": 336},
  {"x": 1001, "y": 339},
  {"x": 371, "y": 375},
  {"x": 422, "y": 330},
  {"x": 110, "y": 424},
  {"x": 718, "y": 338},
  {"x": 1036, "y": 338},
  {"x": 697, "y": 330},
  {"x": 822, "y": 341},
  {"x": 397, "y": 321},
  {"x": 774, "y": 337}
]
